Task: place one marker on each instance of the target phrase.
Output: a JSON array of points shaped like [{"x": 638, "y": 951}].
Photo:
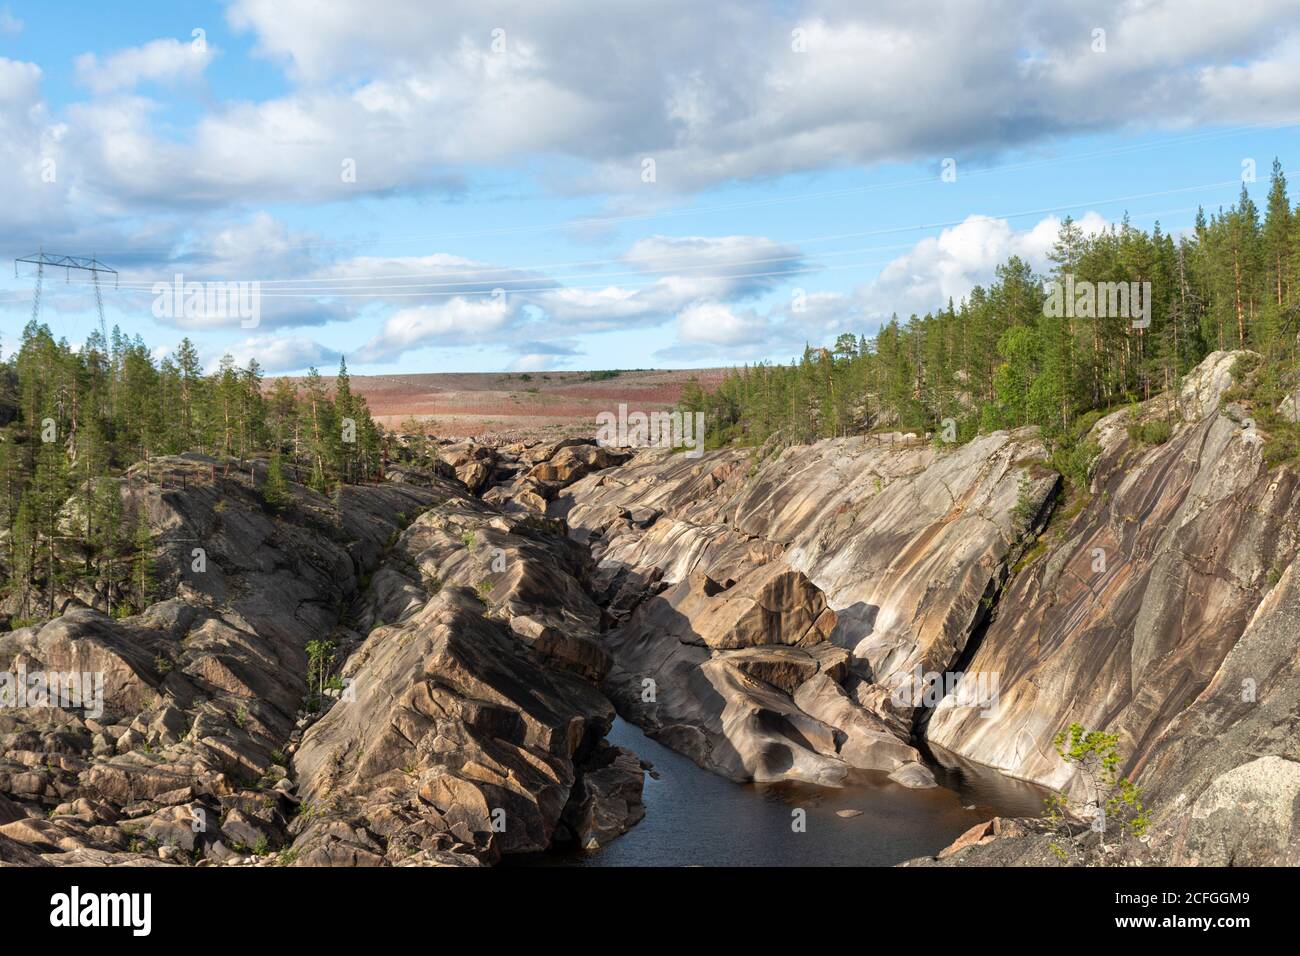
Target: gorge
[{"x": 431, "y": 669}]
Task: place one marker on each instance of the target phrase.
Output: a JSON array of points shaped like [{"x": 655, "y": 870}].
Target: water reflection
[{"x": 694, "y": 817}]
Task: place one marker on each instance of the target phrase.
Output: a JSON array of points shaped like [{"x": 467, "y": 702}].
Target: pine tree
[
  {"x": 275, "y": 490},
  {"x": 142, "y": 568}
]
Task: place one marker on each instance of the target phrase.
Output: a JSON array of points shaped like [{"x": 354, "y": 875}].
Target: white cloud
[
  {"x": 716, "y": 324},
  {"x": 921, "y": 280},
  {"x": 686, "y": 270},
  {"x": 163, "y": 60},
  {"x": 277, "y": 353},
  {"x": 949, "y": 265},
  {"x": 423, "y": 102},
  {"x": 536, "y": 362},
  {"x": 456, "y": 321}
]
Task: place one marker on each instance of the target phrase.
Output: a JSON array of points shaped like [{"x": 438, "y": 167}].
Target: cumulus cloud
[
  {"x": 717, "y": 324},
  {"x": 164, "y": 60},
  {"x": 575, "y": 97},
  {"x": 949, "y": 265},
  {"x": 421, "y": 103},
  {"x": 805, "y": 86},
  {"x": 276, "y": 353},
  {"x": 923, "y": 279},
  {"x": 456, "y": 321},
  {"x": 683, "y": 270},
  {"x": 535, "y": 362}
]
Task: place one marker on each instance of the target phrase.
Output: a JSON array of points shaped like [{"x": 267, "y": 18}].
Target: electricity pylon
[{"x": 68, "y": 263}]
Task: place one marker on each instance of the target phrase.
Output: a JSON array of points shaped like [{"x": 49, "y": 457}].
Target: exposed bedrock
[
  {"x": 786, "y": 600},
  {"x": 1125, "y": 618},
  {"x": 1161, "y": 609},
  {"x": 182, "y": 759},
  {"x": 1182, "y": 639},
  {"x": 473, "y": 726},
  {"x": 468, "y": 723}
]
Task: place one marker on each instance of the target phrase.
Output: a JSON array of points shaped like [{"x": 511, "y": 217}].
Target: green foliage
[
  {"x": 1114, "y": 804},
  {"x": 1155, "y": 432},
  {"x": 1074, "y": 460},
  {"x": 320, "y": 660},
  {"x": 1026, "y": 508},
  {"x": 1269, "y": 390},
  {"x": 275, "y": 490},
  {"x": 997, "y": 360},
  {"x": 142, "y": 568},
  {"x": 84, "y": 416}
]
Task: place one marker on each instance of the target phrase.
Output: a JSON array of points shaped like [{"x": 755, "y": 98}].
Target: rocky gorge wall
[
  {"x": 855, "y": 564},
  {"x": 1158, "y": 609},
  {"x": 464, "y": 723}
]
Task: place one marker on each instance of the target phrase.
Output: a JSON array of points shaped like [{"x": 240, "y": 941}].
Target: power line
[
  {"x": 307, "y": 294},
  {"x": 326, "y": 291}
]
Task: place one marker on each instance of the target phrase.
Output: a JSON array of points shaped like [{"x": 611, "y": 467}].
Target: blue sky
[{"x": 797, "y": 152}]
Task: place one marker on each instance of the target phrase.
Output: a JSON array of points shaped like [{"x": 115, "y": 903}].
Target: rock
[
  {"x": 458, "y": 718},
  {"x": 914, "y": 775},
  {"x": 785, "y": 668},
  {"x": 1245, "y": 817},
  {"x": 578, "y": 653},
  {"x": 238, "y": 830},
  {"x": 13, "y": 853},
  {"x": 606, "y": 800},
  {"x": 1204, "y": 385},
  {"x": 1189, "y": 531},
  {"x": 472, "y": 463},
  {"x": 10, "y": 811},
  {"x": 867, "y": 742},
  {"x": 982, "y": 834},
  {"x": 575, "y": 461},
  {"x": 902, "y": 543},
  {"x": 202, "y": 688}
]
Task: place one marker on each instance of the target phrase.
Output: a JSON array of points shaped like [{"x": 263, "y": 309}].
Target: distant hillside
[{"x": 531, "y": 403}]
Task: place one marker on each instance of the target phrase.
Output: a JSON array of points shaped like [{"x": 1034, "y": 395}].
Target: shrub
[
  {"x": 1150, "y": 433},
  {"x": 1116, "y": 803}
]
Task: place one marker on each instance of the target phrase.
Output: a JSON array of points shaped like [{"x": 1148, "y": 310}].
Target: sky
[{"x": 488, "y": 186}]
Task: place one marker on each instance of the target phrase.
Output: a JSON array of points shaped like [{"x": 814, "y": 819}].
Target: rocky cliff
[
  {"x": 788, "y": 602},
  {"x": 1163, "y": 611},
  {"x": 465, "y": 721},
  {"x": 1159, "y": 605}
]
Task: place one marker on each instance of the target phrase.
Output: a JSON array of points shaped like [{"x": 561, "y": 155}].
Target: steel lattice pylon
[{"x": 68, "y": 263}]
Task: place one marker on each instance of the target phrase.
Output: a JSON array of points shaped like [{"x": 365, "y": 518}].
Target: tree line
[
  {"x": 1008, "y": 355},
  {"x": 72, "y": 418}
]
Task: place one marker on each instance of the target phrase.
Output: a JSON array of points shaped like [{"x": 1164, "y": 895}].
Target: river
[{"x": 696, "y": 818}]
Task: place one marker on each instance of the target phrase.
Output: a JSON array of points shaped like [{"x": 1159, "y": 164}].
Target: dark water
[{"x": 696, "y": 818}]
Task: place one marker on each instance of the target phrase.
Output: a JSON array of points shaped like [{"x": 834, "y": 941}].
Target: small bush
[{"x": 1150, "y": 433}]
